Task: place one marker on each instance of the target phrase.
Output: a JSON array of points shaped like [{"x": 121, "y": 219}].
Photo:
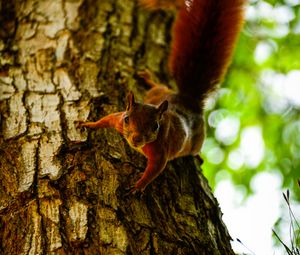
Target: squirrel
[{"x": 170, "y": 124}]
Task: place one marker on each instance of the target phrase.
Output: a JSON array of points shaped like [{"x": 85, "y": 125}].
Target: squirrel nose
[{"x": 137, "y": 139}]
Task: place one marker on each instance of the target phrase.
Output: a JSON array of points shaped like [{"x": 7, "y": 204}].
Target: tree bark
[{"x": 62, "y": 189}]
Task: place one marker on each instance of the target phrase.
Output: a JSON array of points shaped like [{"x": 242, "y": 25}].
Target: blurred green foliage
[{"x": 254, "y": 120}]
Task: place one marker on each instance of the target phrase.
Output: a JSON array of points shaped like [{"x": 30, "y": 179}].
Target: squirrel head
[{"x": 141, "y": 122}]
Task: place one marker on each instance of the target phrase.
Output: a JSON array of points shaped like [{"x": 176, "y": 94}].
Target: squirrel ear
[
  {"x": 162, "y": 108},
  {"x": 130, "y": 101}
]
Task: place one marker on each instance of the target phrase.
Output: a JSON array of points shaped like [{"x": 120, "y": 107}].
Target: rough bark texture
[{"x": 62, "y": 189}]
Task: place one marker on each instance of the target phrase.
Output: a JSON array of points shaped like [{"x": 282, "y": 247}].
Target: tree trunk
[{"x": 62, "y": 189}]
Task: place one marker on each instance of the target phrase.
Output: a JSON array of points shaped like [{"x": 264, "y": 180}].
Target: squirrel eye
[
  {"x": 126, "y": 120},
  {"x": 155, "y": 127}
]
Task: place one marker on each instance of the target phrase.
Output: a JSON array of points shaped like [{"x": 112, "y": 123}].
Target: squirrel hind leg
[
  {"x": 146, "y": 76},
  {"x": 157, "y": 92},
  {"x": 157, "y": 95}
]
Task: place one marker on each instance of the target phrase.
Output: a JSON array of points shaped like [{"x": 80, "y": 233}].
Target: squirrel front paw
[
  {"x": 132, "y": 191},
  {"x": 78, "y": 123}
]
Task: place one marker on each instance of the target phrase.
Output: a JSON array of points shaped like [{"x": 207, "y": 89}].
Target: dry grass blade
[
  {"x": 284, "y": 245},
  {"x": 294, "y": 232}
]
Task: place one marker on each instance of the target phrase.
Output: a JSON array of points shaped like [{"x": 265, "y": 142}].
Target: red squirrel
[{"x": 170, "y": 124}]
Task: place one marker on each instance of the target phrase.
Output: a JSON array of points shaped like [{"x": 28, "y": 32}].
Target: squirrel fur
[{"x": 170, "y": 124}]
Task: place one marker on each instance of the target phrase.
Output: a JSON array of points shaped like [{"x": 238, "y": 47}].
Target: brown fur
[
  {"x": 169, "y": 124},
  {"x": 203, "y": 41}
]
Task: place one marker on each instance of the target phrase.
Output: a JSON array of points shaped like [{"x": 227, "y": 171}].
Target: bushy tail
[{"x": 205, "y": 33}]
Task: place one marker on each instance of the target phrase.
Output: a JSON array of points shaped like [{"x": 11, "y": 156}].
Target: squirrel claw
[
  {"x": 132, "y": 190},
  {"x": 78, "y": 123},
  {"x": 144, "y": 74}
]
